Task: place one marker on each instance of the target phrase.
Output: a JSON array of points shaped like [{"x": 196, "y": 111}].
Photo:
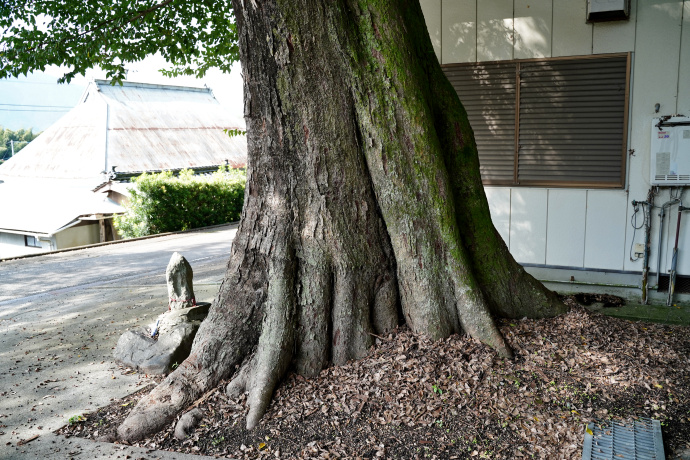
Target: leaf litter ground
[{"x": 454, "y": 398}]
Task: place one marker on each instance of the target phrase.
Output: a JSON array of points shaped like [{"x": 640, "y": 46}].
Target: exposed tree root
[{"x": 260, "y": 374}]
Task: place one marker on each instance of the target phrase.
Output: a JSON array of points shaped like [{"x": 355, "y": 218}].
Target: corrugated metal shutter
[
  {"x": 572, "y": 121},
  {"x": 488, "y": 92},
  {"x": 571, "y": 125}
]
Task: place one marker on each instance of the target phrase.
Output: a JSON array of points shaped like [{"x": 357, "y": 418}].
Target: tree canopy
[{"x": 193, "y": 36}]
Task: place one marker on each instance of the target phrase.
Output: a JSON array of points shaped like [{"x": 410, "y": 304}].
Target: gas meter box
[{"x": 670, "y": 153}]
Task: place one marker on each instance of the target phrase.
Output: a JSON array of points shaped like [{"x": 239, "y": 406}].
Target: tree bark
[{"x": 364, "y": 207}]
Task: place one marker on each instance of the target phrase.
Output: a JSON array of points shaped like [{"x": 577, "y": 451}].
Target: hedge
[{"x": 162, "y": 203}]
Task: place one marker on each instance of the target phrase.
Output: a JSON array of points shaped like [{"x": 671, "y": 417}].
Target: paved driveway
[{"x": 62, "y": 314}]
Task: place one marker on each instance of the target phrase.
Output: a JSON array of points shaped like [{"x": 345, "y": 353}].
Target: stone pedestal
[
  {"x": 137, "y": 349},
  {"x": 179, "y": 276}
]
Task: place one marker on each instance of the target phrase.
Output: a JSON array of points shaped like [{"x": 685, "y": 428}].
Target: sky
[{"x": 37, "y": 101}]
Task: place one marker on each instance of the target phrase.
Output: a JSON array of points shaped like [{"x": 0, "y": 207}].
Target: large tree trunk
[{"x": 364, "y": 206}]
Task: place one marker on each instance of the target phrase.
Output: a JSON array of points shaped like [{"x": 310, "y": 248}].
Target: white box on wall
[
  {"x": 607, "y": 10},
  {"x": 670, "y": 159}
]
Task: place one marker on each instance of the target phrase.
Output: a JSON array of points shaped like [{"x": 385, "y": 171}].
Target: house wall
[
  {"x": 13, "y": 245},
  {"x": 79, "y": 235},
  {"x": 85, "y": 233},
  {"x": 573, "y": 227}
]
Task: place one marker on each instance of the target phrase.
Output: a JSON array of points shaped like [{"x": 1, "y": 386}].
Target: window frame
[
  {"x": 516, "y": 182},
  {"x": 36, "y": 240}
]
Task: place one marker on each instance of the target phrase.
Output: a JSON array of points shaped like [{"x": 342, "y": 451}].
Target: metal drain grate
[{"x": 637, "y": 440}]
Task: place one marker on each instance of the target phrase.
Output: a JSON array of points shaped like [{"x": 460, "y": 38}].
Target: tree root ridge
[{"x": 161, "y": 406}]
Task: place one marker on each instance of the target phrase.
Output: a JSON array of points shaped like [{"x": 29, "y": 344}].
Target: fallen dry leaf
[{"x": 456, "y": 398}]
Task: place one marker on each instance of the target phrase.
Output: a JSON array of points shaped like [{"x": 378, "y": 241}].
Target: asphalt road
[
  {"x": 60, "y": 317},
  {"x": 142, "y": 260}
]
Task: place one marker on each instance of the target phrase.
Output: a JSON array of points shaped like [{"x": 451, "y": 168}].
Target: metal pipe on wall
[
  {"x": 647, "y": 210},
  {"x": 662, "y": 214},
  {"x": 674, "y": 259}
]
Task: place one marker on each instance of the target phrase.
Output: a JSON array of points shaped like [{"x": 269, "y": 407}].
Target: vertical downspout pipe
[
  {"x": 658, "y": 249},
  {"x": 674, "y": 260},
  {"x": 662, "y": 214},
  {"x": 647, "y": 206}
]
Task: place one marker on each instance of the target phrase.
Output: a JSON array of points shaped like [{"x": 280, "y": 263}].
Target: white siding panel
[
  {"x": 684, "y": 73},
  {"x": 459, "y": 25},
  {"x": 495, "y": 30},
  {"x": 636, "y": 265},
  {"x": 528, "y": 225},
  {"x": 616, "y": 36},
  {"x": 432, "y": 16},
  {"x": 18, "y": 240},
  {"x": 13, "y": 245},
  {"x": 533, "y": 26},
  {"x": 499, "y": 205},
  {"x": 572, "y": 36},
  {"x": 606, "y": 225},
  {"x": 565, "y": 243}
]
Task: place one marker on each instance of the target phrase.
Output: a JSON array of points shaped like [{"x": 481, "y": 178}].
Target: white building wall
[
  {"x": 432, "y": 16},
  {"x": 14, "y": 245},
  {"x": 533, "y": 23},
  {"x": 459, "y": 24},
  {"x": 499, "y": 205},
  {"x": 528, "y": 222},
  {"x": 615, "y": 36},
  {"x": 565, "y": 227},
  {"x": 607, "y": 216},
  {"x": 570, "y": 37},
  {"x": 580, "y": 228},
  {"x": 655, "y": 73},
  {"x": 11, "y": 239},
  {"x": 495, "y": 30}
]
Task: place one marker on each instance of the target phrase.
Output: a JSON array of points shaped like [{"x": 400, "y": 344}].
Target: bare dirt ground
[{"x": 412, "y": 398}]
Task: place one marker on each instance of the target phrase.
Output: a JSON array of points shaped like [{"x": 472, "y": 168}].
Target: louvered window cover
[
  {"x": 632, "y": 440},
  {"x": 549, "y": 122}
]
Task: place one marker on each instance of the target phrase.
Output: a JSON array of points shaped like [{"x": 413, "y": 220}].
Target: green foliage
[
  {"x": 234, "y": 132},
  {"x": 21, "y": 139},
  {"x": 73, "y": 420},
  {"x": 164, "y": 203},
  {"x": 193, "y": 36},
  {"x": 437, "y": 390}
]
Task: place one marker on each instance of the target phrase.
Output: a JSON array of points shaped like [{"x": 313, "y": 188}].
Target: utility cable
[{"x": 633, "y": 222}]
